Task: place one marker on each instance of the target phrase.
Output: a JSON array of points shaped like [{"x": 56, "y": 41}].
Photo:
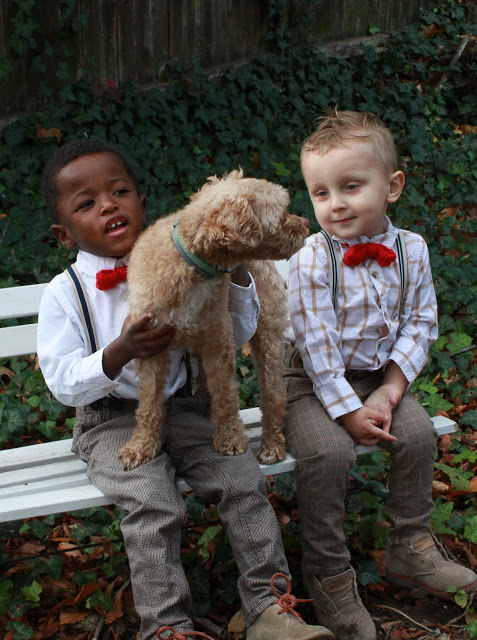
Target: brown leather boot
[
  {"x": 338, "y": 606},
  {"x": 425, "y": 564},
  {"x": 281, "y": 622}
]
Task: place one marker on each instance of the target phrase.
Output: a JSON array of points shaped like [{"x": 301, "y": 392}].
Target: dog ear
[{"x": 232, "y": 225}]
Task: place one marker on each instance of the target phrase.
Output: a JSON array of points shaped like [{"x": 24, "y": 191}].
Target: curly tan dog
[{"x": 227, "y": 222}]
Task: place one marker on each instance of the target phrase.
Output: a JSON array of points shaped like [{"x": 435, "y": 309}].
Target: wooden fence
[{"x": 129, "y": 39}]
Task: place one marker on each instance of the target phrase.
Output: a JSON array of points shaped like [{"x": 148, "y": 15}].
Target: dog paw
[
  {"x": 271, "y": 454},
  {"x": 133, "y": 456},
  {"x": 233, "y": 446}
]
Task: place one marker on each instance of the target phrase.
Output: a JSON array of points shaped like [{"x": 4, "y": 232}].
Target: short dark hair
[{"x": 66, "y": 154}]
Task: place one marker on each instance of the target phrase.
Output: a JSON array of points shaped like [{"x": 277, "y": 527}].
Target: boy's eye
[
  {"x": 86, "y": 204},
  {"x": 322, "y": 193},
  {"x": 120, "y": 192},
  {"x": 352, "y": 187}
]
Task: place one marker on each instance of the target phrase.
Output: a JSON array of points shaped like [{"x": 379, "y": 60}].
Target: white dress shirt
[
  {"x": 75, "y": 376},
  {"x": 366, "y": 331}
]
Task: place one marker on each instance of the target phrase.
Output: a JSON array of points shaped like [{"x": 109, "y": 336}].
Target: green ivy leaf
[
  {"x": 469, "y": 418},
  {"x": 280, "y": 169},
  {"x": 5, "y": 597},
  {"x": 55, "y": 565},
  {"x": 442, "y": 513},
  {"x": 470, "y": 530},
  {"x": 435, "y": 403},
  {"x": 32, "y": 593},
  {"x": 37, "y": 528},
  {"x": 459, "y": 479},
  {"x": 20, "y": 630},
  {"x": 285, "y": 485},
  {"x": 100, "y": 599},
  {"x": 209, "y": 534},
  {"x": 195, "y": 507},
  {"x": 368, "y": 573},
  {"x": 472, "y": 629},
  {"x": 459, "y": 341},
  {"x": 34, "y": 401}
]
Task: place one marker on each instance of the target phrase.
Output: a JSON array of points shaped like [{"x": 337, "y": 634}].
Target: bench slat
[
  {"x": 32, "y": 476},
  {"x": 20, "y": 302},
  {"x": 18, "y": 341}
]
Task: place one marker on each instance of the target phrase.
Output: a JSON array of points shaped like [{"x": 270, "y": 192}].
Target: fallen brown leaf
[
  {"x": 72, "y": 617},
  {"x": 44, "y": 134}
]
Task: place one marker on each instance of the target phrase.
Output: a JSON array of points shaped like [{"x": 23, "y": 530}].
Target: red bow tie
[
  {"x": 109, "y": 278},
  {"x": 360, "y": 252}
]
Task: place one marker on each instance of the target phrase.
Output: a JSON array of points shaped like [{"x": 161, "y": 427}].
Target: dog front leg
[
  {"x": 147, "y": 435},
  {"x": 268, "y": 354},
  {"x": 219, "y": 367}
]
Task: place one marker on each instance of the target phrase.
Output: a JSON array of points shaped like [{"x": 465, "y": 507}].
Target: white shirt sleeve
[
  {"x": 244, "y": 308},
  {"x": 74, "y": 376}
]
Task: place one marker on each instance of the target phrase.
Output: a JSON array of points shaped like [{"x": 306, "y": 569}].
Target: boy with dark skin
[{"x": 93, "y": 195}]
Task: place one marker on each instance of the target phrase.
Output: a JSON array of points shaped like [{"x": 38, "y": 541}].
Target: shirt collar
[
  {"x": 387, "y": 238},
  {"x": 91, "y": 264}
]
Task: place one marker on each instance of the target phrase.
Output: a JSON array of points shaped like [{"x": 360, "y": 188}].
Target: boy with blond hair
[{"x": 362, "y": 322}]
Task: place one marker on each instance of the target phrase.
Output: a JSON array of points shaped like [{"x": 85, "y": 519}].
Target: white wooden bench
[{"x": 48, "y": 478}]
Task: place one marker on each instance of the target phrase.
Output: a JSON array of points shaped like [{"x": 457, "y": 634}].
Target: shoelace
[
  {"x": 180, "y": 635},
  {"x": 287, "y": 601}
]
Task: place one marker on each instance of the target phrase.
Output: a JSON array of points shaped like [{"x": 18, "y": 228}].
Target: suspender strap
[
  {"x": 403, "y": 269},
  {"x": 83, "y": 306},
  {"x": 334, "y": 272}
]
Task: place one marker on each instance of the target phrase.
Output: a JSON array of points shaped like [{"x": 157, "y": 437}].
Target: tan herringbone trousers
[
  {"x": 325, "y": 455},
  {"x": 154, "y": 508}
]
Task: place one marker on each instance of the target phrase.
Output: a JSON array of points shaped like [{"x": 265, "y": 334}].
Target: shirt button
[{"x": 375, "y": 274}]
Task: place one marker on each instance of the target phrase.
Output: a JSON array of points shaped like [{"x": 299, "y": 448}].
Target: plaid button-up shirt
[{"x": 366, "y": 331}]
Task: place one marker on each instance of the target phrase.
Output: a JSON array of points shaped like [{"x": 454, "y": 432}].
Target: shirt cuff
[
  {"x": 97, "y": 379},
  {"x": 409, "y": 356},
  {"x": 338, "y": 397}
]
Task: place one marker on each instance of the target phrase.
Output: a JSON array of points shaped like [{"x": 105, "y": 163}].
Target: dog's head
[{"x": 235, "y": 218}]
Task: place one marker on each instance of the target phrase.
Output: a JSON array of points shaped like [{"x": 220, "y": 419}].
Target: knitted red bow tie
[
  {"x": 360, "y": 252},
  {"x": 109, "y": 278}
]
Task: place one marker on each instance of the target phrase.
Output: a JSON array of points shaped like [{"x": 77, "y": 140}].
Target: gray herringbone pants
[
  {"x": 155, "y": 509},
  {"x": 325, "y": 455}
]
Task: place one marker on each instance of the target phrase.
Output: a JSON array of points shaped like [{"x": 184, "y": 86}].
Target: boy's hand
[
  {"x": 137, "y": 340},
  {"x": 384, "y": 399},
  {"x": 362, "y": 426}
]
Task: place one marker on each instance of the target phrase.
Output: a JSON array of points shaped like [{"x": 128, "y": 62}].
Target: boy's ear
[
  {"x": 396, "y": 185},
  {"x": 62, "y": 235}
]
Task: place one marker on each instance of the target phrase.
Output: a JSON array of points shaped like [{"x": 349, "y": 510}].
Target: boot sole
[{"x": 403, "y": 581}]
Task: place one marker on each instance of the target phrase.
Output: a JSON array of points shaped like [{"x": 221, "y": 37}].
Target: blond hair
[{"x": 337, "y": 128}]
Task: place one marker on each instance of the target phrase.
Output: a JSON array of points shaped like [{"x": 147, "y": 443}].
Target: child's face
[
  {"x": 350, "y": 188},
  {"x": 99, "y": 208}
]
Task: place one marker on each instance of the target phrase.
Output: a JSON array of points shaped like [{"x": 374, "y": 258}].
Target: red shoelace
[
  {"x": 180, "y": 635},
  {"x": 287, "y": 601}
]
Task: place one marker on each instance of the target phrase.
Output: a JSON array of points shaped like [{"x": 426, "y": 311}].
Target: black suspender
[{"x": 84, "y": 306}]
